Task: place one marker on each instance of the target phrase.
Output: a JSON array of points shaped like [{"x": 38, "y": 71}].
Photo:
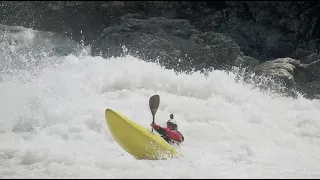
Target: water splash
[{"x": 53, "y": 126}]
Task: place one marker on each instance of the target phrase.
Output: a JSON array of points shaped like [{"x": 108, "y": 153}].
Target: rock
[
  {"x": 79, "y": 20},
  {"x": 277, "y": 75},
  {"x": 281, "y": 69},
  {"x": 173, "y": 41},
  {"x": 246, "y": 62},
  {"x": 311, "y": 89},
  {"x": 218, "y": 34},
  {"x": 214, "y": 50},
  {"x": 259, "y": 28},
  {"x": 290, "y": 74},
  {"x": 32, "y": 49},
  {"x": 263, "y": 28}
]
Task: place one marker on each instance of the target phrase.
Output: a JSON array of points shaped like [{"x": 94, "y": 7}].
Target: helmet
[
  {"x": 172, "y": 121},
  {"x": 171, "y": 116}
]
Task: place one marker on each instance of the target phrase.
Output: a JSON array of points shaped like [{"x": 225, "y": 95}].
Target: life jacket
[{"x": 170, "y": 141}]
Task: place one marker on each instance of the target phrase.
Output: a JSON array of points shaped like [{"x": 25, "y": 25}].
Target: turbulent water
[{"x": 52, "y": 117}]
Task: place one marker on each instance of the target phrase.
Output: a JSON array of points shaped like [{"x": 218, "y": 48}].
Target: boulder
[{"x": 174, "y": 42}]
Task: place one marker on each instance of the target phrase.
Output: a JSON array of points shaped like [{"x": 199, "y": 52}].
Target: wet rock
[{"x": 174, "y": 42}]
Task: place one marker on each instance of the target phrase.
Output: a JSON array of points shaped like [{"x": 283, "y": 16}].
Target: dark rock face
[
  {"x": 80, "y": 20},
  {"x": 174, "y": 42},
  {"x": 272, "y": 25},
  {"x": 187, "y": 35}
]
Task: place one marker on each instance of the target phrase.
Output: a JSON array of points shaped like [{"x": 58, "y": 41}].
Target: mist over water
[{"x": 52, "y": 117}]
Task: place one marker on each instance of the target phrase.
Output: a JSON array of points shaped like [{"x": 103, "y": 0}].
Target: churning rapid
[{"x": 52, "y": 121}]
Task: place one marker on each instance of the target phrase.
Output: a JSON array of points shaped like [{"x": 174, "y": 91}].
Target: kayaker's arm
[
  {"x": 159, "y": 129},
  {"x": 167, "y": 132},
  {"x": 182, "y": 138}
]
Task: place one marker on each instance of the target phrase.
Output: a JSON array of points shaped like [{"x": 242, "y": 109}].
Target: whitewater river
[{"x": 52, "y": 119}]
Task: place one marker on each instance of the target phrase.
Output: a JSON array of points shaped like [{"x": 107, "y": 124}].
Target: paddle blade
[{"x": 154, "y": 102}]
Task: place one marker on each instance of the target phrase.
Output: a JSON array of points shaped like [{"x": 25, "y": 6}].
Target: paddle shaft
[{"x": 152, "y": 122}]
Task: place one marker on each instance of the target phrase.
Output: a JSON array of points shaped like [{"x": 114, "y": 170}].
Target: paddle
[{"x": 154, "y": 102}]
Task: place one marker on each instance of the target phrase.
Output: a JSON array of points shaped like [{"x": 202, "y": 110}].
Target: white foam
[{"x": 231, "y": 130}]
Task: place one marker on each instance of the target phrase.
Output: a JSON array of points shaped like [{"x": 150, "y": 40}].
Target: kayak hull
[{"x": 136, "y": 139}]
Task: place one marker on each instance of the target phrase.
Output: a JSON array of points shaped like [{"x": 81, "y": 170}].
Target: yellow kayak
[{"x": 136, "y": 139}]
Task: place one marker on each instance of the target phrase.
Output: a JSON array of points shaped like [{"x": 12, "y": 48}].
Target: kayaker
[{"x": 170, "y": 133}]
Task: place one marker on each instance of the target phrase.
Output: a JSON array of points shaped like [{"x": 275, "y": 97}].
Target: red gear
[{"x": 168, "y": 134}]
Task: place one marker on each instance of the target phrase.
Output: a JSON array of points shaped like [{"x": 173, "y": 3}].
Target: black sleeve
[
  {"x": 181, "y": 136},
  {"x": 161, "y": 131}
]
